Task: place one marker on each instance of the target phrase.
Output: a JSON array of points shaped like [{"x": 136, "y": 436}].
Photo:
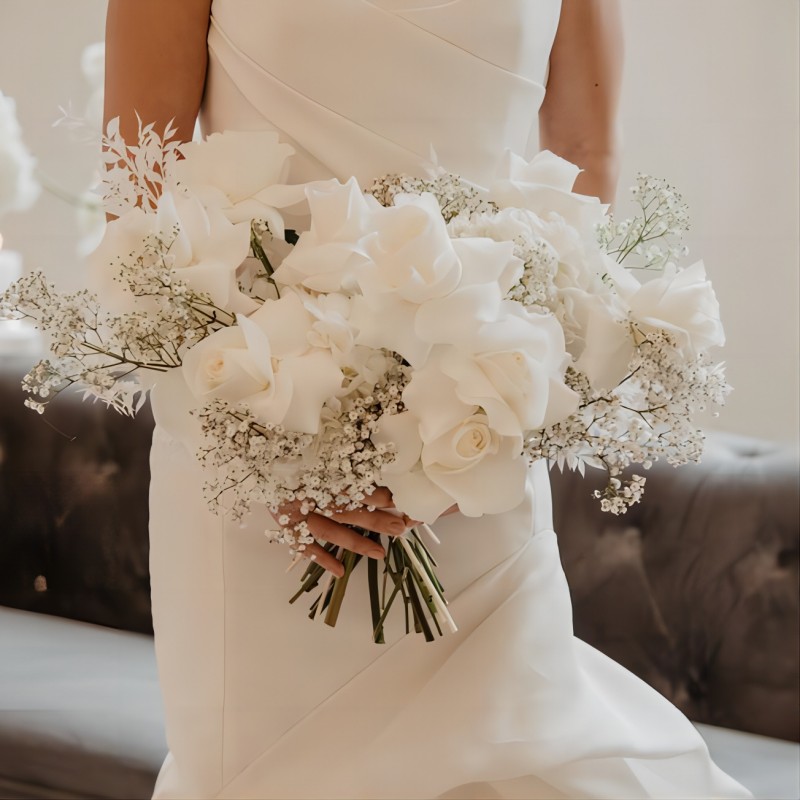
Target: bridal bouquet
[{"x": 419, "y": 333}]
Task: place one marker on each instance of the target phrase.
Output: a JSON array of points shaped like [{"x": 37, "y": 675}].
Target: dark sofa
[{"x": 695, "y": 590}]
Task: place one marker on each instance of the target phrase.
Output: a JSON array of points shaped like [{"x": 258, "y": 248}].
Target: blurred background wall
[{"x": 710, "y": 102}]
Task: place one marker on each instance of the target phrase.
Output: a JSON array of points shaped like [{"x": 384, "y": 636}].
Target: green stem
[
  {"x": 375, "y": 601},
  {"x": 340, "y": 587}
]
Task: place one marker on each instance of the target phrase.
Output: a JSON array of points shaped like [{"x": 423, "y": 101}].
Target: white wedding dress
[{"x": 260, "y": 701}]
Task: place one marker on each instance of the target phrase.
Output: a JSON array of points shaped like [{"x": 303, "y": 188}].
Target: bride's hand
[{"x": 337, "y": 530}]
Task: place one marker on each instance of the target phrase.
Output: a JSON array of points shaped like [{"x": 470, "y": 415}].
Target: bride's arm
[
  {"x": 578, "y": 118},
  {"x": 156, "y": 57}
]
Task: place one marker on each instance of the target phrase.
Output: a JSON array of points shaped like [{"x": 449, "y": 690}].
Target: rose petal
[
  {"x": 492, "y": 486},
  {"x": 402, "y": 430},
  {"x": 417, "y": 495}
]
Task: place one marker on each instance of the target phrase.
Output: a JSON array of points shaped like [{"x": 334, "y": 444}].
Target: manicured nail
[
  {"x": 397, "y": 526},
  {"x": 376, "y": 552}
]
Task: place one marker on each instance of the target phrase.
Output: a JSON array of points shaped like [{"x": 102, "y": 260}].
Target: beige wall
[
  {"x": 710, "y": 102},
  {"x": 41, "y": 42}
]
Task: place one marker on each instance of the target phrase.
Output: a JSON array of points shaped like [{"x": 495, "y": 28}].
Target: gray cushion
[
  {"x": 769, "y": 768},
  {"x": 695, "y": 590},
  {"x": 80, "y": 709},
  {"x": 73, "y": 508}
]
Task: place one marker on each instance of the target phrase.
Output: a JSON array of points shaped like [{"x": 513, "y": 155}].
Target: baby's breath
[
  {"x": 648, "y": 416},
  {"x": 101, "y": 352},
  {"x": 251, "y": 462},
  {"x": 662, "y": 216},
  {"x": 454, "y": 195}
]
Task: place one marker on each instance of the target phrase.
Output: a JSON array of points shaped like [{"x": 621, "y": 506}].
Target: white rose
[
  {"x": 606, "y": 342},
  {"x": 363, "y": 368},
  {"x": 464, "y": 462},
  {"x": 331, "y": 328},
  {"x": 241, "y": 172},
  {"x": 411, "y": 253},
  {"x": 488, "y": 271},
  {"x": 514, "y": 370},
  {"x": 325, "y": 257},
  {"x": 301, "y": 386},
  {"x": 18, "y": 185},
  {"x": 205, "y": 250},
  {"x": 449, "y": 452},
  {"x": 683, "y": 303},
  {"x": 303, "y": 376},
  {"x": 268, "y": 365},
  {"x": 594, "y": 315},
  {"x": 481, "y": 470},
  {"x": 544, "y": 186},
  {"x": 431, "y": 289},
  {"x": 411, "y": 260},
  {"x": 222, "y": 366}
]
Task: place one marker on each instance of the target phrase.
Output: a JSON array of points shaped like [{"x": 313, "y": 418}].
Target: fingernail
[
  {"x": 397, "y": 526},
  {"x": 376, "y": 552}
]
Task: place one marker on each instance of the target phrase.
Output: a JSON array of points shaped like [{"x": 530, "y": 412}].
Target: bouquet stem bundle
[{"x": 408, "y": 573}]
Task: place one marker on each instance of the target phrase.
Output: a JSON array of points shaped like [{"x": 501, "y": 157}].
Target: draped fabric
[
  {"x": 368, "y": 88},
  {"x": 260, "y": 701}
]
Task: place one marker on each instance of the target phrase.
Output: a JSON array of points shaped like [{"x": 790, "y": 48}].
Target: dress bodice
[{"x": 365, "y": 88}]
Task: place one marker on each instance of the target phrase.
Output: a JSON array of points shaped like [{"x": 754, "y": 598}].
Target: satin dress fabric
[{"x": 260, "y": 701}]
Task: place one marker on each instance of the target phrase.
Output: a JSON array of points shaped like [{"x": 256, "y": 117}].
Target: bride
[{"x": 260, "y": 702}]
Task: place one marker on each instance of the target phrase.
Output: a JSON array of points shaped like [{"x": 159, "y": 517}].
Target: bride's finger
[
  {"x": 380, "y": 498},
  {"x": 330, "y": 531},
  {"x": 376, "y": 521},
  {"x": 324, "y": 559}
]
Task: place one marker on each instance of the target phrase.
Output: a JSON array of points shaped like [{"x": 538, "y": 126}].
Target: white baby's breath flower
[{"x": 200, "y": 247}]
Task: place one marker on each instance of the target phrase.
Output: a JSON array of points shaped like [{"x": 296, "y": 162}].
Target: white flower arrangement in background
[
  {"x": 93, "y": 65},
  {"x": 19, "y": 187},
  {"x": 425, "y": 335}
]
